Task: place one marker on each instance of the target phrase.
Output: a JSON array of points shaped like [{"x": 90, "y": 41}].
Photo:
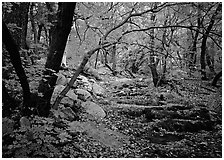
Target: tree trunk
[
  {"x": 56, "y": 51},
  {"x": 204, "y": 40},
  {"x": 16, "y": 62},
  {"x": 51, "y": 19},
  {"x": 33, "y": 23},
  {"x": 24, "y": 19},
  {"x": 114, "y": 62},
  {"x": 40, "y": 26},
  {"x": 216, "y": 78},
  {"x": 193, "y": 57},
  {"x": 152, "y": 63}
]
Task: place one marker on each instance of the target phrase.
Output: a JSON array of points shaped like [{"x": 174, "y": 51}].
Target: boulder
[
  {"x": 83, "y": 94},
  {"x": 67, "y": 101},
  {"x": 69, "y": 114},
  {"x": 84, "y": 82},
  {"x": 57, "y": 91},
  {"x": 61, "y": 80},
  {"x": 94, "y": 110},
  {"x": 71, "y": 95},
  {"x": 98, "y": 90}
]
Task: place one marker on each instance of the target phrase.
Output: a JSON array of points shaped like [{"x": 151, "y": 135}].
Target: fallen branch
[
  {"x": 78, "y": 71},
  {"x": 167, "y": 106}
]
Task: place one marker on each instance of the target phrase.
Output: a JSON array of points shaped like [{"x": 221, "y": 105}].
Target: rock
[
  {"x": 67, "y": 101},
  {"x": 98, "y": 90},
  {"x": 24, "y": 122},
  {"x": 57, "y": 91},
  {"x": 82, "y": 80},
  {"x": 93, "y": 109},
  {"x": 69, "y": 114},
  {"x": 83, "y": 94},
  {"x": 72, "y": 95},
  {"x": 61, "y": 80}
]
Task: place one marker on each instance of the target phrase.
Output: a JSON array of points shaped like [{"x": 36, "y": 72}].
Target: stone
[
  {"x": 82, "y": 78},
  {"x": 69, "y": 114},
  {"x": 98, "y": 90},
  {"x": 84, "y": 82},
  {"x": 67, "y": 101},
  {"x": 83, "y": 94},
  {"x": 93, "y": 109},
  {"x": 24, "y": 122},
  {"x": 61, "y": 80},
  {"x": 57, "y": 91},
  {"x": 71, "y": 95}
]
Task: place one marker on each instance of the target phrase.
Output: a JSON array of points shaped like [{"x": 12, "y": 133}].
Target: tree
[
  {"x": 216, "y": 78},
  {"x": 204, "y": 41},
  {"x": 18, "y": 16},
  {"x": 16, "y": 61},
  {"x": 59, "y": 38}
]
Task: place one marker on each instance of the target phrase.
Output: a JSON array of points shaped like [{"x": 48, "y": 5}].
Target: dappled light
[{"x": 112, "y": 80}]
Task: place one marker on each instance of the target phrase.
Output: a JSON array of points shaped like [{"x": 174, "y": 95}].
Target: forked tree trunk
[{"x": 56, "y": 51}]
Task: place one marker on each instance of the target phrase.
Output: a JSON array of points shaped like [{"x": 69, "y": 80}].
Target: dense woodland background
[{"x": 111, "y": 79}]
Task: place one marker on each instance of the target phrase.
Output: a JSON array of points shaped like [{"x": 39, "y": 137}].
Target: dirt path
[{"x": 171, "y": 124}]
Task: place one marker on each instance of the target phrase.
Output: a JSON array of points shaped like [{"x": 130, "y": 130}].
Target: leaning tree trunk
[
  {"x": 204, "y": 40},
  {"x": 16, "y": 62},
  {"x": 216, "y": 78},
  {"x": 56, "y": 51}
]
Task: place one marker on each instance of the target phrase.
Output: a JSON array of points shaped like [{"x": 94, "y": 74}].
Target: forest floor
[{"x": 180, "y": 119}]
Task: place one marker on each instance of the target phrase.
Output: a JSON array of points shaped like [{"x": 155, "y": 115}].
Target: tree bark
[
  {"x": 193, "y": 57},
  {"x": 152, "y": 63},
  {"x": 40, "y": 26},
  {"x": 33, "y": 23},
  {"x": 16, "y": 62},
  {"x": 216, "y": 78},
  {"x": 114, "y": 61},
  {"x": 56, "y": 51},
  {"x": 24, "y": 19},
  {"x": 204, "y": 40}
]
